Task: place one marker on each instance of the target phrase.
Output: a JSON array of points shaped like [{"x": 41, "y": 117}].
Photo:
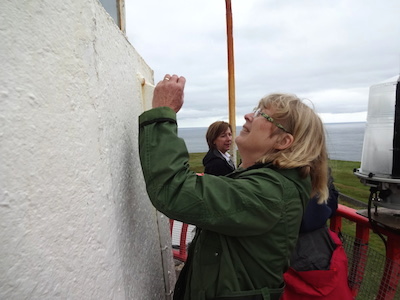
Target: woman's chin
[{"x": 241, "y": 136}]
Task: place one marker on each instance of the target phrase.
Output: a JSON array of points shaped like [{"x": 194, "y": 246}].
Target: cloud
[{"x": 327, "y": 51}]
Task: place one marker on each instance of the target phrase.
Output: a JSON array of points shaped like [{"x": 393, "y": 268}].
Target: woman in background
[{"x": 219, "y": 139}]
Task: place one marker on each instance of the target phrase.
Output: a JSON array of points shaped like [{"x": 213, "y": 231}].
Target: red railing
[
  {"x": 391, "y": 275},
  {"x": 181, "y": 253}
]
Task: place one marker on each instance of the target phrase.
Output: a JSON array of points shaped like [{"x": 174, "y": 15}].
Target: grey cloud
[{"x": 329, "y": 52}]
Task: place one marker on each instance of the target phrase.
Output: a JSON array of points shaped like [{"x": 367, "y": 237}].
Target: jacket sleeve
[{"x": 230, "y": 206}]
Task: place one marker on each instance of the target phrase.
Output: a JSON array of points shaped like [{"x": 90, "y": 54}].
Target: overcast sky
[{"x": 329, "y": 52}]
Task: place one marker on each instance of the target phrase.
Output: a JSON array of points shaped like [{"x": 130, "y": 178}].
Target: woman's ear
[{"x": 285, "y": 142}]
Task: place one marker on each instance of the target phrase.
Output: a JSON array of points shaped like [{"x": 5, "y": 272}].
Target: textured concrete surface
[{"x": 75, "y": 220}]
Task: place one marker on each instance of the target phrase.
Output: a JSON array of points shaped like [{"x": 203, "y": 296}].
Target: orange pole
[{"x": 231, "y": 76}]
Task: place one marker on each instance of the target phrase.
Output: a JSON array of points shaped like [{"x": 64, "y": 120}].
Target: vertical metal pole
[
  {"x": 396, "y": 134},
  {"x": 231, "y": 77}
]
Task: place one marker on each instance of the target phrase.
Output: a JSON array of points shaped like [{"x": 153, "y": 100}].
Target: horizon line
[{"x": 327, "y": 123}]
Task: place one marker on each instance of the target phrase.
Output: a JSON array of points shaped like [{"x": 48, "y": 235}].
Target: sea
[{"x": 344, "y": 140}]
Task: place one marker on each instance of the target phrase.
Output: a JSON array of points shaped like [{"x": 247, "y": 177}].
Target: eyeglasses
[{"x": 258, "y": 112}]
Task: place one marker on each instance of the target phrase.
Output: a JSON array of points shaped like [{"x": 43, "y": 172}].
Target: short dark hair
[{"x": 215, "y": 130}]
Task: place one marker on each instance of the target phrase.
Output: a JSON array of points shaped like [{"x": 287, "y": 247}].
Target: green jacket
[{"x": 250, "y": 220}]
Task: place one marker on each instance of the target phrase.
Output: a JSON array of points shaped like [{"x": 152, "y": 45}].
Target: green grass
[
  {"x": 196, "y": 162},
  {"x": 348, "y": 184},
  {"x": 345, "y": 181}
]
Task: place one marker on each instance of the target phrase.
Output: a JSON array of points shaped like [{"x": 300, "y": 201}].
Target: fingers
[
  {"x": 174, "y": 78},
  {"x": 170, "y": 92},
  {"x": 182, "y": 80}
]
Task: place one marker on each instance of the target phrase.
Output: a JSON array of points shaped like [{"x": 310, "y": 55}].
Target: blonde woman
[{"x": 250, "y": 218}]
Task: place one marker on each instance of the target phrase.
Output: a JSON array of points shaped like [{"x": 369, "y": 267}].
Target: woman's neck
[
  {"x": 249, "y": 158},
  {"x": 247, "y": 163}
]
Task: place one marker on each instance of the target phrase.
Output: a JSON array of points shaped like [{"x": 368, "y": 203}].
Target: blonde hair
[{"x": 308, "y": 150}]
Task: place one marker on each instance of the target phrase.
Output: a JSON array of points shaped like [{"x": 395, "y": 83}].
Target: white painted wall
[{"x": 75, "y": 220}]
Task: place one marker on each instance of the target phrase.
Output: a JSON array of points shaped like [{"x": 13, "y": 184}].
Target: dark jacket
[
  {"x": 250, "y": 219},
  {"x": 215, "y": 164},
  {"x": 316, "y": 215}
]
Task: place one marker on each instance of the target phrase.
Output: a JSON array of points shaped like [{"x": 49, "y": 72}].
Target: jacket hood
[{"x": 303, "y": 184}]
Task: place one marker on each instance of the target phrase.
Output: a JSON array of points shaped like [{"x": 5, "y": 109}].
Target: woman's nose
[{"x": 249, "y": 117}]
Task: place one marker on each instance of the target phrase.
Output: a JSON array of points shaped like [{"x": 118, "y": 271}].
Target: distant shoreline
[
  {"x": 332, "y": 123},
  {"x": 344, "y": 140}
]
